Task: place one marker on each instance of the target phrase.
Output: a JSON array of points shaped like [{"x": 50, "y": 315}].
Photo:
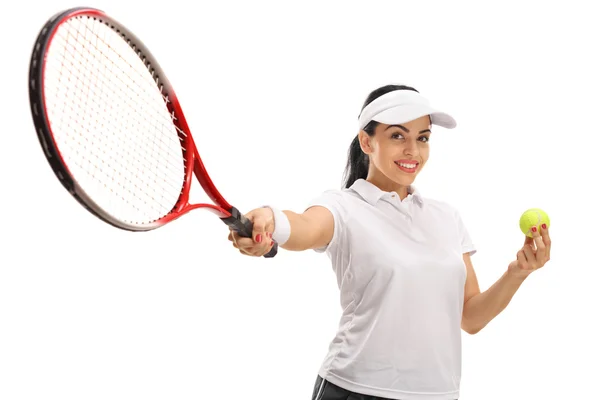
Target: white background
[{"x": 272, "y": 93}]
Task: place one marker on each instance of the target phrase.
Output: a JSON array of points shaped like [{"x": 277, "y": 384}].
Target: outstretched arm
[
  {"x": 310, "y": 230},
  {"x": 480, "y": 308}
]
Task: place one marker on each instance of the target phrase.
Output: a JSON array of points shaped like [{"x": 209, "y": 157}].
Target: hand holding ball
[
  {"x": 535, "y": 252},
  {"x": 533, "y": 217}
]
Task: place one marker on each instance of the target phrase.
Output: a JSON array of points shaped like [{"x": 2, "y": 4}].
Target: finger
[
  {"x": 256, "y": 251},
  {"x": 263, "y": 227},
  {"x": 546, "y": 238},
  {"x": 236, "y": 238},
  {"x": 540, "y": 247},
  {"x": 265, "y": 249},
  {"x": 250, "y": 246},
  {"x": 260, "y": 241},
  {"x": 245, "y": 253},
  {"x": 530, "y": 257},
  {"x": 244, "y": 243},
  {"x": 259, "y": 229},
  {"x": 261, "y": 249},
  {"x": 522, "y": 259},
  {"x": 249, "y": 250}
]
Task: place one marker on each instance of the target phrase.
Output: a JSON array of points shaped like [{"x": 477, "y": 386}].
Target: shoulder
[
  {"x": 341, "y": 203},
  {"x": 337, "y": 202}
]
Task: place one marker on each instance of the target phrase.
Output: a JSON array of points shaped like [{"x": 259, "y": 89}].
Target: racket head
[
  {"x": 95, "y": 92},
  {"x": 83, "y": 69}
]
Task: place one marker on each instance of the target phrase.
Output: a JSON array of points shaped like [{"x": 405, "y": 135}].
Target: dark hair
[{"x": 357, "y": 166}]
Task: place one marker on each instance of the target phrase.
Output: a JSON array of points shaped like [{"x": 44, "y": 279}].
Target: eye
[{"x": 398, "y": 135}]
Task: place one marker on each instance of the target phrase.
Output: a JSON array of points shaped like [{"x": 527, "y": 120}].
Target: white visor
[{"x": 401, "y": 106}]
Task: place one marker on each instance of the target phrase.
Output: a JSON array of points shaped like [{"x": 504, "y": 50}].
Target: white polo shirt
[{"x": 401, "y": 276}]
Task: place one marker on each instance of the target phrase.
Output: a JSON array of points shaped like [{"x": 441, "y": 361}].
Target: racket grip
[{"x": 243, "y": 226}]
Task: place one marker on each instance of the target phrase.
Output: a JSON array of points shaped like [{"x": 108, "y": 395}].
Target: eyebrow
[{"x": 405, "y": 129}]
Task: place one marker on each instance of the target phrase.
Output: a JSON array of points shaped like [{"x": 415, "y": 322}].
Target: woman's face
[{"x": 398, "y": 152}]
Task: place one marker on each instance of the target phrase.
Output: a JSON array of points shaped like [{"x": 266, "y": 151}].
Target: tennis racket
[{"x": 112, "y": 129}]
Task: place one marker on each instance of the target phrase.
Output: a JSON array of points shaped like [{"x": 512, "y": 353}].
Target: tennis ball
[{"x": 533, "y": 217}]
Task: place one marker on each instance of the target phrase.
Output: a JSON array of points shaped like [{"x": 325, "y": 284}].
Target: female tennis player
[{"x": 402, "y": 261}]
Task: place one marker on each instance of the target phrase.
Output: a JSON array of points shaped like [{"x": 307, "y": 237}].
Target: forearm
[
  {"x": 482, "y": 308},
  {"x": 299, "y": 238}
]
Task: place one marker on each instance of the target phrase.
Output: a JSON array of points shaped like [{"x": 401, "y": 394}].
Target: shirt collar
[{"x": 372, "y": 194}]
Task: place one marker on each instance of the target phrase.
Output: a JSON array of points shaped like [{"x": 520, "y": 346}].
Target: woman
[{"x": 402, "y": 261}]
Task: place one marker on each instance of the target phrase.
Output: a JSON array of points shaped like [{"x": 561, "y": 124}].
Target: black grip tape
[{"x": 244, "y": 226}]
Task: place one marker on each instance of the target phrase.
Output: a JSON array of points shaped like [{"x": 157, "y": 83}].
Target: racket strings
[
  {"x": 131, "y": 188},
  {"x": 113, "y": 164},
  {"x": 159, "y": 111},
  {"x": 112, "y": 142},
  {"x": 111, "y": 123},
  {"x": 166, "y": 123}
]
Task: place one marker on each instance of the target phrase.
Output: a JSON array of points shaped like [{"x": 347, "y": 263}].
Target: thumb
[{"x": 259, "y": 229}]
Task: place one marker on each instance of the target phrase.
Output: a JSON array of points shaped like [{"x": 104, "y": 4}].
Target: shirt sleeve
[
  {"x": 333, "y": 201},
  {"x": 465, "y": 238}
]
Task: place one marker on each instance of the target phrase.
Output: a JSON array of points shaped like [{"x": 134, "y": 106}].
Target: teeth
[{"x": 407, "y": 165}]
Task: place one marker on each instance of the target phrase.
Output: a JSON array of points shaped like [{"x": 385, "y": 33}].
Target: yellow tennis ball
[{"x": 533, "y": 217}]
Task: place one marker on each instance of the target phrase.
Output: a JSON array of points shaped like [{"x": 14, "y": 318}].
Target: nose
[{"x": 411, "y": 148}]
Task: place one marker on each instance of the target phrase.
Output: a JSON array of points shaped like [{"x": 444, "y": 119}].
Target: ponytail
[{"x": 357, "y": 166}]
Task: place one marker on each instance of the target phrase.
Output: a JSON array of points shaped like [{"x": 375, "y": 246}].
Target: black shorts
[{"x": 325, "y": 390}]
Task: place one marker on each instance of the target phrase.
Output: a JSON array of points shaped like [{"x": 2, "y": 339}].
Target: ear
[{"x": 365, "y": 142}]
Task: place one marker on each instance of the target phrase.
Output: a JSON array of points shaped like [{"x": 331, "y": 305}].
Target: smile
[{"x": 407, "y": 167}]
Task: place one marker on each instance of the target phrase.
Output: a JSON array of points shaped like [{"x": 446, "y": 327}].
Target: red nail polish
[
  {"x": 259, "y": 238},
  {"x": 544, "y": 226},
  {"x": 534, "y": 229}
]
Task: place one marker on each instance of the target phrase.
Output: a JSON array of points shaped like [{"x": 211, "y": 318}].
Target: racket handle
[{"x": 243, "y": 226}]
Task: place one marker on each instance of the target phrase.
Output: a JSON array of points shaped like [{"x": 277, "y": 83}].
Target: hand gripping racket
[{"x": 111, "y": 126}]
